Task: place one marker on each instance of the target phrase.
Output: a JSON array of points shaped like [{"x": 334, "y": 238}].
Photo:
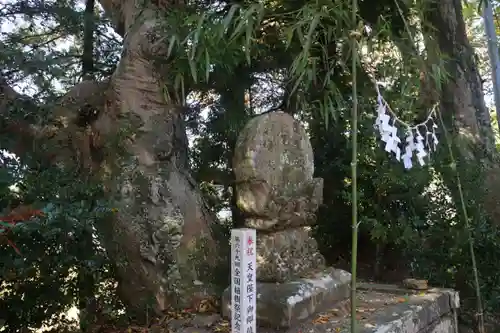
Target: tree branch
[
  {"x": 114, "y": 10},
  {"x": 23, "y": 133},
  {"x": 88, "y": 41}
]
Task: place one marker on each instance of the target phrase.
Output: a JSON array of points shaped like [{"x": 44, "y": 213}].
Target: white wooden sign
[{"x": 243, "y": 281}]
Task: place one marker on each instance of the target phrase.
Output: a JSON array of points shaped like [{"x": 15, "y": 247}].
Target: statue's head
[{"x": 274, "y": 147}]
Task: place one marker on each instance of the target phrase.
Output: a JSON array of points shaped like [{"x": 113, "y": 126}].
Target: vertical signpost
[{"x": 243, "y": 281}]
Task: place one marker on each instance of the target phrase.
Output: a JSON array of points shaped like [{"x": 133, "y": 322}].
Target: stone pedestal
[
  {"x": 286, "y": 304},
  {"x": 287, "y": 255}
]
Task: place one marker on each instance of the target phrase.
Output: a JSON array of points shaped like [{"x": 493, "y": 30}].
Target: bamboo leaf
[
  {"x": 238, "y": 29},
  {"x": 183, "y": 91},
  {"x": 325, "y": 115},
  {"x": 297, "y": 82},
  {"x": 179, "y": 86},
  {"x": 177, "y": 81},
  {"x": 229, "y": 17},
  {"x": 166, "y": 95},
  {"x": 207, "y": 65},
  {"x": 192, "y": 67},
  {"x": 242, "y": 23},
  {"x": 261, "y": 11},
  {"x": 197, "y": 35},
  {"x": 300, "y": 34},
  {"x": 329, "y": 33},
  {"x": 331, "y": 108},
  {"x": 171, "y": 45},
  {"x": 312, "y": 28},
  {"x": 248, "y": 39},
  {"x": 289, "y": 36},
  {"x": 313, "y": 71}
]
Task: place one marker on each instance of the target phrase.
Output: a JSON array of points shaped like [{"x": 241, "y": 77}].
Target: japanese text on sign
[{"x": 243, "y": 281}]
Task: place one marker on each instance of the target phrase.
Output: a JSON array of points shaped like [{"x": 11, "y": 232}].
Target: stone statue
[{"x": 278, "y": 196}]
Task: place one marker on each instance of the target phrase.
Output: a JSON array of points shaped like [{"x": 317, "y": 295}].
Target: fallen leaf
[
  {"x": 222, "y": 326},
  {"x": 322, "y": 319},
  {"x": 207, "y": 305}
]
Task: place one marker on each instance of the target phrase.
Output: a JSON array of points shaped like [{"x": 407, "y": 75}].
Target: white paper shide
[
  {"x": 415, "y": 144},
  {"x": 243, "y": 281}
]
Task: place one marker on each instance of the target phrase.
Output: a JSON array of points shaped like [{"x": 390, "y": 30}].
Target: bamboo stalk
[
  {"x": 354, "y": 162},
  {"x": 480, "y": 314}
]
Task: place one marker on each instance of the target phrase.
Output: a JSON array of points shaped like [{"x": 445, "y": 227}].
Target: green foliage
[
  {"x": 46, "y": 56},
  {"x": 398, "y": 208},
  {"x": 51, "y": 248},
  {"x": 57, "y": 250}
]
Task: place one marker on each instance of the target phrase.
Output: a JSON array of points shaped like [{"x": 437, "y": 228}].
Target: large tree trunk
[
  {"x": 160, "y": 237},
  {"x": 462, "y": 106}
]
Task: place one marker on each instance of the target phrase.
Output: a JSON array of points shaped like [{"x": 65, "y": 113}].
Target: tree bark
[
  {"x": 160, "y": 238},
  {"x": 236, "y": 115},
  {"x": 462, "y": 106},
  {"x": 86, "y": 283}
]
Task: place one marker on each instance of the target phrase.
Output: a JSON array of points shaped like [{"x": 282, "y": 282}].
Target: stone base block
[
  {"x": 286, "y": 304},
  {"x": 287, "y": 255}
]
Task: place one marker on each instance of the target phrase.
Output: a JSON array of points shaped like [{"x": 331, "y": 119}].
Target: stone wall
[
  {"x": 382, "y": 309},
  {"x": 430, "y": 311}
]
